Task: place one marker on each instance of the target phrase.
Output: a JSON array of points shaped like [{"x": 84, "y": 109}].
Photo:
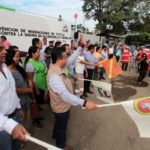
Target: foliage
[
  {"x": 141, "y": 27},
  {"x": 140, "y": 39},
  {"x": 119, "y": 13}
]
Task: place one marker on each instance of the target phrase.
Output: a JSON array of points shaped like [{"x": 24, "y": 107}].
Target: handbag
[{"x": 34, "y": 109}]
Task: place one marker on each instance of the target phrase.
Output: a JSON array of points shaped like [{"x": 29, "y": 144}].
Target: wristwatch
[{"x": 84, "y": 104}]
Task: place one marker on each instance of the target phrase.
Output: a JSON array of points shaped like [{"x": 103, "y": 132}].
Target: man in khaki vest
[{"x": 62, "y": 97}]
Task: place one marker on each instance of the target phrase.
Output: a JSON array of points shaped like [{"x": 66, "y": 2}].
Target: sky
[{"x": 53, "y": 8}]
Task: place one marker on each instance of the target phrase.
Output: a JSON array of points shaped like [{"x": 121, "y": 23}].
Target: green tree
[
  {"x": 139, "y": 26},
  {"x": 116, "y": 12}
]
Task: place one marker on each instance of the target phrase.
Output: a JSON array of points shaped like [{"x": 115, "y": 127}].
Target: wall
[{"x": 21, "y": 28}]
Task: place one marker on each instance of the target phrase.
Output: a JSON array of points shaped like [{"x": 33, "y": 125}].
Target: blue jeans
[
  {"x": 6, "y": 141},
  {"x": 60, "y": 128}
]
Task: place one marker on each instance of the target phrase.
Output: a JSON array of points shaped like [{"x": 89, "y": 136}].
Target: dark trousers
[
  {"x": 124, "y": 66},
  {"x": 101, "y": 73},
  {"x": 60, "y": 128},
  {"x": 40, "y": 98},
  {"x": 87, "y": 83},
  {"x": 117, "y": 58},
  {"x": 142, "y": 75}
]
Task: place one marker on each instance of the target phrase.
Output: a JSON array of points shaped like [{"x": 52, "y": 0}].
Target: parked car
[{"x": 147, "y": 47}]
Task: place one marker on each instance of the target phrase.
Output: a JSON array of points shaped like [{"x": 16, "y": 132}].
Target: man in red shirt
[{"x": 126, "y": 53}]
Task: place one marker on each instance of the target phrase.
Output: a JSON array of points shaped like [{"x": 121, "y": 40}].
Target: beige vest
[{"x": 57, "y": 104}]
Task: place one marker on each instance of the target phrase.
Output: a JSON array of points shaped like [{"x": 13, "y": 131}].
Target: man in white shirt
[
  {"x": 79, "y": 71},
  {"x": 111, "y": 50},
  {"x": 10, "y": 130},
  {"x": 44, "y": 46}
]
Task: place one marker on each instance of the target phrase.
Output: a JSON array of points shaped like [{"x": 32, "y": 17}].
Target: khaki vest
[{"x": 57, "y": 104}]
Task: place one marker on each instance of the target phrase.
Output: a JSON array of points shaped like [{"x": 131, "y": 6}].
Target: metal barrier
[{"x": 41, "y": 143}]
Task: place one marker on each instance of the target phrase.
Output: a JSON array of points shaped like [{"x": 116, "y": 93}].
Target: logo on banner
[
  {"x": 142, "y": 106},
  {"x": 103, "y": 91},
  {"x": 65, "y": 28}
]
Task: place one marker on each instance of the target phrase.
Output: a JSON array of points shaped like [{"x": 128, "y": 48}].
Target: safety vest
[
  {"x": 125, "y": 56},
  {"x": 139, "y": 55},
  {"x": 148, "y": 54}
]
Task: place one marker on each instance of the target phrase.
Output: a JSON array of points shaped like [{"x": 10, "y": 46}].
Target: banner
[
  {"x": 103, "y": 91},
  {"x": 112, "y": 68},
  {"x": 41, "y": 143},
  {"x": 20, "y": 28},
  {"x": 139, "y": 111}
]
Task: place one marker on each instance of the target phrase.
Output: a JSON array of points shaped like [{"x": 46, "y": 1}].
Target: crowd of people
[{"x": 56, "y": 73}]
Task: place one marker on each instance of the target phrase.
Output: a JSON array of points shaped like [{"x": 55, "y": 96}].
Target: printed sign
[
  {"x": 21, "y": 28},
  {"x": 142, "y": 106},
  {"x": 103, "y": 91}
]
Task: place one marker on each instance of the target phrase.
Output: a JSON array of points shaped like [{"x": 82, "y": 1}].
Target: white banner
[
  {"x": 21, "y": 28},
  {"x": 103, "y": 91},
  {"x": 139, "y": 112},
  {"x": 41, "y": 143}
]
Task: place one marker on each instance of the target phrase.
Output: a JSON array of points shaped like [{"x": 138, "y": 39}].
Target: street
[{"x": 104, "y": 129}]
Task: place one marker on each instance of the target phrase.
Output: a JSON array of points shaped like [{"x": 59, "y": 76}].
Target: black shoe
[
  {"x": 37, "y": 124},
  {"x": 82, "y": 96},
  {"x": 40, "y": 108},
  {"x": 85, "y": 95},
  {"x": 40, "y": 118},
  {"x": 53, "y": 136},
  {"x": 90, "y": 92},
  {"x": 103, "y": 78}
]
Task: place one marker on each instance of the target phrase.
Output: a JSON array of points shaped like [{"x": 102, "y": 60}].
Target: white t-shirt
[
  {"x": 42, "y": 55},
  {"x": 79, "y": 67},
  {"x": 111, "y": 50},
  {"x": 9, "y": 100},
  {"x": 43, "y": 49}
]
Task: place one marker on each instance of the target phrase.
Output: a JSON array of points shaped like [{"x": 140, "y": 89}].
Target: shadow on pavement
[{"x": 122, "y": 94}]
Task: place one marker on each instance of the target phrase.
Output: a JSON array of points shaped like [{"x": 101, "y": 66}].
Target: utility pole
[
  {"x": 100, "y": 11},
  {"x": 83, "y": 23},
  {"x": 75, "y": 18}
]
